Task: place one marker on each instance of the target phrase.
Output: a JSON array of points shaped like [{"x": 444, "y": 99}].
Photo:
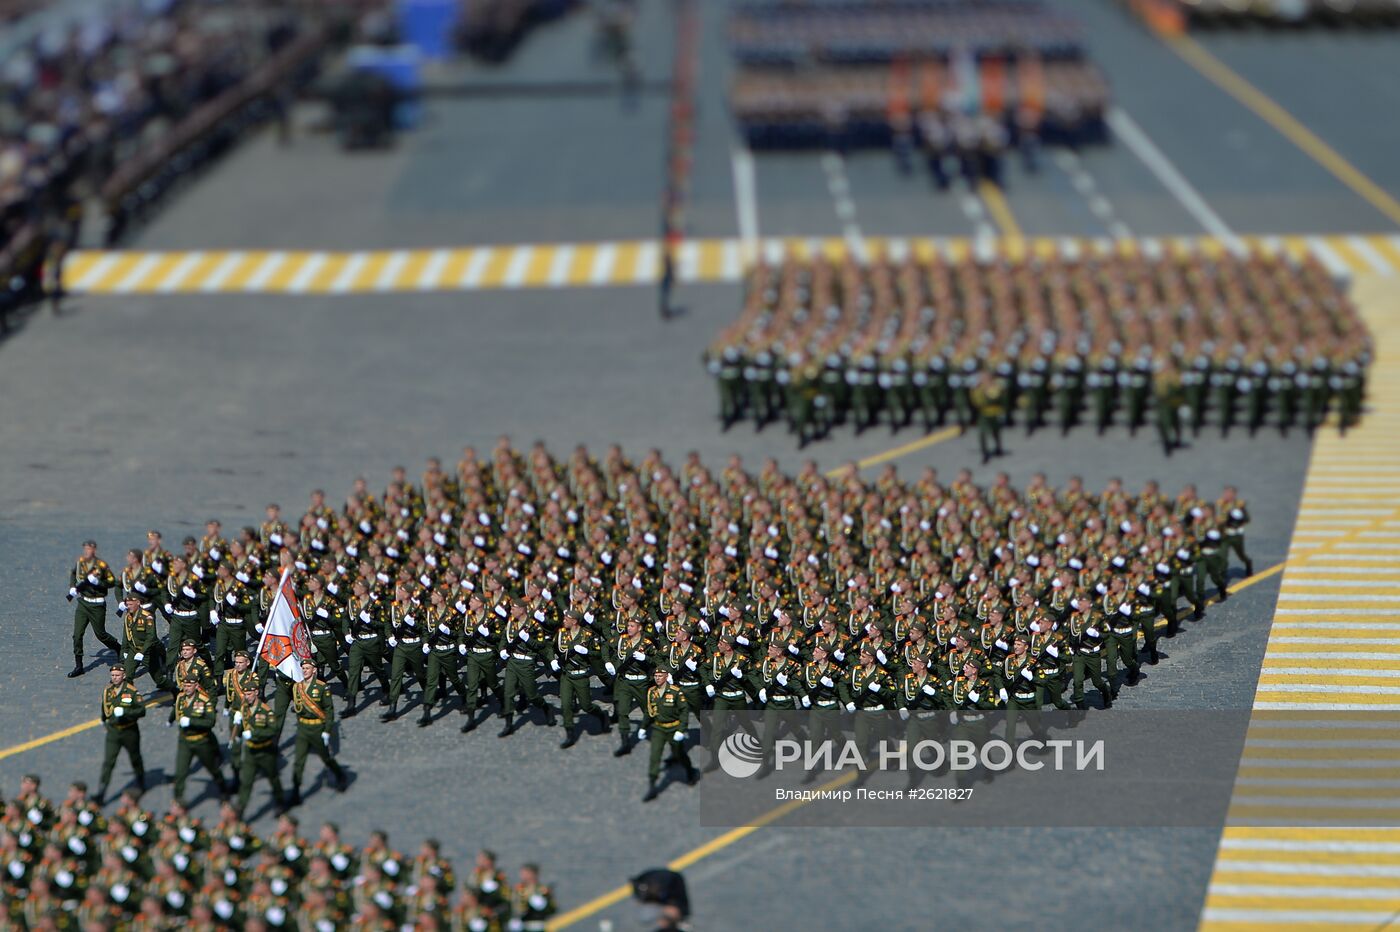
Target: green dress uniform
[
  {"x": 1050, "y": 653},
  {"x": 260, "y": 735},
  {"x": 1122, "y": 640},
  {"x": 685, "y": 665},
  {"x": 777, "y": 684},
  {"x": 88, "y": 584},
  {"x": 364, "y": 634},
  {"x": 1212, "y": 562},
  {"x": 531, "y": 905},
  {"x": 140, "y": 645},
  {"x": 1087, "y": 643},
  {"x": 1023, "y": 691},
  {"x": 406, "y": 641},
  {"x": 574, "y": 653},
  {"x": 232, "y": 606},
  {"x": 865, "y": 689},
  {"x": 441, "y": 644},
  {"x": 196, "y": 717},
  {"x": 325, "y": 624},
  {"x": 184, "y": 594},
  {"x": 521, "y": 639},
  {"x": 1236, "y": 517},
  {"x": 122, "y": 711},
  {"x": 480, "y": 637},
  {"x": 665, "y": 719},
  {"x": 311, "y": 703},
  {"x": 989, "y": 400},
  {"x": 629, "y": 663},
  {"x": 1168, "y": 398},
  {"x": 727, "y": 685}
]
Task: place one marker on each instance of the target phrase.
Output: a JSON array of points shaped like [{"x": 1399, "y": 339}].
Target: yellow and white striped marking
[
  {"x": 1321, "y": 749},
  {"x": 569, "y": 265}
]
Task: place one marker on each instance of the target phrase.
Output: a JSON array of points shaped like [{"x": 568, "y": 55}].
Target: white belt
[
  {"x": 94, "y": 600},
  {"x": 366, "y": 637},
  {"x": 522, "y": 656}
]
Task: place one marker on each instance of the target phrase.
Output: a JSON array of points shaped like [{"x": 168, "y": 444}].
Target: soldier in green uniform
[
  {"x": 531, "y": 902},
  {"x": 1212, "y": 558},
  {"x": 1023, "y": 691},
  {"x": 480, "y": 634},
  {"x": 665, "y": 719},
  {"x": 629, "y": 663},
  {"x": 441, "y": 646},
  {"x": 364, "y": 635},
  {"x": 575, "y": 650},
  {"x": 325, "y": 624},
  {"x": 260, "y": 735},
  {"x": 311, "y": 703},
  {"x": 89, "y": 581},
  {"x": 728, "y": 370},
  {"x": 1086, "y": 640},
  {"x": 406, "y": 641},
  {"x": 139, "y": 643},
  {"x": 727, "y": 685},
  {"x": 194, "y": 713},
  {"x": 1122, "y": 635},
  {"x": 776, "y": 682},
  {"x": 1168, "y": 396},
  {"x": 122, "y": 710},
  {"x": 521, "y": 641},
  {"x": 1235, "y": 513},
  {"x": 989, "y": 400},
  {"x": 232, "y": 606},
  {"x": 866, "y": 687},
  {"x": 1049, "y": 652},
  {"x": 184, "y": 594}
]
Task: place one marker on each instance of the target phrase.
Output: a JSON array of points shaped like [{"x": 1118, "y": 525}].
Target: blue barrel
[{"x": 427, "y": 24}]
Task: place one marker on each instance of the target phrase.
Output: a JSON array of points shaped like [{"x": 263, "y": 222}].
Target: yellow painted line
[
  {"x": 368, "y": 273},
  {"x": 78, "y": 265},
  {"x": 455, "y": 268},
  {"x": 581, "y": 266},
  {"x": 244, "y": 270},
  {"x": 999, "y": 209},
  {"x": 282, "y": 279},
  {"x": 625, "y": 266},
  {"x": 1280, "y": 119},
  {"x": 537, "y": 269},
  {"x": 68, "y": 732},
  {"x": 199, "y": 272},
  {"x": 710, "y": 265},
  {"x": 158, "y": 272},
  {"x": 495, "y": 272},
  {"x": 326, "y": 276},
  {"x": 1387, "y": 249},
  {"x": 118, "y": 271},
  {"x": 618, "y": 894},
  {"x": 412, "y": 270}
]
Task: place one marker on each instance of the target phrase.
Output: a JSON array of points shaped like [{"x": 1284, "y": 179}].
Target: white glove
[
  {"x": 139, "y": 586},
  {"x": 741, "y": 640},
  {"x": 873, "y": 687},
  {"x": 138, "y": 656},
  {"x": 612, "y": 670},
  {"x": 782, "y": 679},
  {"x": 92, "y": 578},
  {"x": 121, "y": 608},
  {"x": 349, "y": 639},
  {"x": 504, "y": 654},
  {"x": 258, "y": 627},
  {"x": 763, "y": 695},
  {"x": 524, "y": 635},
  {"x": 639, "y": 655},
  {"x": 678, "y": 737},
  {"x": 904, "y": 715},
  {"x": 393, "y": 642},
  {"x": 238, "y": 718},
  {"x": 880, "y": 656},
  {"x": 322, "y": 613},
  {"x": 410, "y": 621},
  {"x": 326, "y": 738},
  {"x": 554, "y": 665},
  {"x": 828, "y": 682},
  {"x": 690, "y": 664},
  {"x": 710, "y": 690},
  {"x": 247, "y": 734},
  {"x": 483, "y": 630},
  {"x": 118, "y": 712},
  {"x": 806, "y": 702},
  {"x": 1027, "y": 674},
  {"x": 425, "y": 648},
  {"x": 840, "y": 656},
  {"x": 736, "y": 673},
  {"x": 184, "y": 721},
  {"x": 168, "y": 608},
  {"x": 444, "y": 629},
  {"x": 189, "y": 593},
  {"x": 850, "y": 707},
  {"x": 72, "y": 591},
  {"x": 974, "y": 695},
  {"x": 580, "y": 649},
  {"x": 214, "y": 618},
  {"x": 929, "y": 690},
  {"x": 1092, "y": 632},
  {"x": 641, "y": 734}
]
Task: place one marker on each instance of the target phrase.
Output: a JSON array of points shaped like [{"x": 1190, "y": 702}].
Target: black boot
[
  {"x": 341, "y": 782},
  {"x": 510, "y": 726},
  {"x": 1154, "y": 658},
  {"x": 1081, "y": 705},
  {"x": 426, "y": 718},
  {"x": 625, "y": 748},
  {"x": 652, "y": 791},
  {"x": 472, "y": 722},
  {"x": 570, "y": 736},
  {"x": 392, "y": 714},
  {"x": 141, "y": 782},
  {"x": 692, "y": 776},
  {"x": 1248, "y": 568},
  {"x": 548, "y": 713},
  {"x": 604, "y": 721},
  {"x": 100, "y": 795},
  {"x": 77, "y": 667},
  {"x": 296, "y": 795},
  {"x": 1134, "y": 675},
  {"x": 111, "y": 643},
  {"x": 1107, "y": 699},
  {"x": 350, "y": 710}
]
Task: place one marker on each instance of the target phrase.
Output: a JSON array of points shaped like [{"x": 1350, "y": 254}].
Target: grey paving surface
[{"x": 133, "y": 412}]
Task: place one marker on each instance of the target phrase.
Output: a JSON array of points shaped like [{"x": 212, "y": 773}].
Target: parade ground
[{"x": 298, "y": 317}]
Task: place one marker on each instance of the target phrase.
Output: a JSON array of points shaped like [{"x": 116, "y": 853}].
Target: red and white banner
[{"x": 285, "y": 643}]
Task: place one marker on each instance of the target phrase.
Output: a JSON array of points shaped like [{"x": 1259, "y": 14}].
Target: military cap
[
  {"x": 189, "y": 642},
  {"x": 919, "y": 626},
  {"x": 89, "y": 543},
  {"x": 242, "y": 653}
]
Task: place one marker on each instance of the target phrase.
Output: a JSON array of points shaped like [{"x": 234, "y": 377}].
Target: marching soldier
[
  {"x": 260, "y": 735},
  {"x": 521, "y": 640},
  {"x": 441, "y": 646},
  {"x": 531, "y": 902},
  {"x": 989, "y": 400},
  {"x": 575, "y": 648},
  {"x": 139, "y": 641},
  {"x": 232, "y": 606},
  {"x": 406, "y": 642},
  {"x": 665, "y": 719},
  {"x": 122, "y": 711},
  {"x": 364, "y": 636},
  {"x": 184, "y": 594},
  {"x": 481, "y": 633},
  {"x": 1236, "y": 514},
  {"x": 89, "y": 581},
  {"x": 325, "y": 623},
  {"x": 1087, "y": 642},
  {"x": 311, "y": 703},
  {"x": 629, "y": 664},
  {"x": 194, "y": 712}
]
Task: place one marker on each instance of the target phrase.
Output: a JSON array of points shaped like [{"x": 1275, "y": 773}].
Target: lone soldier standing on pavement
[
  {"x": 666, "y": 716},
  {"x": 311, "y": 701},
  {"x": 122, "y": 709},
  {"x": 194, "y": 711},
  {"x": 88, "y": 583},
  {"x": 260, "y": 734}
]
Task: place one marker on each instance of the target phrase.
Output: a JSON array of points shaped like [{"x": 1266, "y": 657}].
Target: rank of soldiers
[
  {"x": 1179, "y": 340},
  {"x": 71, "y": 866},
  {"x": 675, "y": 590}
]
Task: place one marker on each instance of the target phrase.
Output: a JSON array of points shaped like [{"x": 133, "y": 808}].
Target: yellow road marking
[
  {"x": 1280, "y": 119},
  {"x": 999, "y": 209},
  {"x": 66, "y": 732}
]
